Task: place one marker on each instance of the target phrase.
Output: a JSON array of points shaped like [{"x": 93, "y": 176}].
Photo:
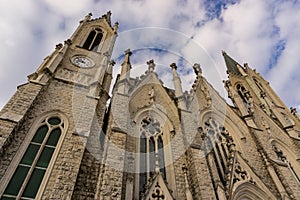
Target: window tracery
[
  {"x": 151, "y": 150},
  {"x": 221, "y": 144}
]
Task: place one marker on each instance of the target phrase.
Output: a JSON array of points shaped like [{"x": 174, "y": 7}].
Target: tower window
[
  {"x": 242, "y": 92},
  {"x": 30, "y": 172},
  {"x": 93, "y": 40}
]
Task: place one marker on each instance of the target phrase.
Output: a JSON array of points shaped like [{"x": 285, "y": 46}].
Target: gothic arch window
[
  {"x": 246, "y": 97},
  {"x": 93, "y": 40},
  {"x": 152, "y": 155},
  {"x": 242, "y": 92},
  {"x": 218, "y": 143},
  {"x": 46, "y": 137},
  {"x": 258, "y": 84}
]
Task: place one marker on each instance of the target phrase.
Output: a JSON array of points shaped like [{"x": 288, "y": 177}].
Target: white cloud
[{"x": 246, "y": 30}]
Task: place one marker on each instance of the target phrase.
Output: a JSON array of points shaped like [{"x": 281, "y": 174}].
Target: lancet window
[
  {"x": 28, "y": 176},
  {"x": 242, "y": 92}
]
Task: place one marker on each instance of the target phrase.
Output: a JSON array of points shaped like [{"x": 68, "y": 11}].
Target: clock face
[{"x": 82, "y": 61}]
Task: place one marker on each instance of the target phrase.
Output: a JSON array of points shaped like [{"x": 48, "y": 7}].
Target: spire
[
  {"x": 176, "y": 80},
  {"x": 126, "y": 66},
  {"x": 177, "y": 86},
  {"x": 233, "y": 67}
]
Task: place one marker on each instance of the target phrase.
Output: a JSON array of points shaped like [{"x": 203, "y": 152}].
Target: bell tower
[
  {"x": 249, "y": 91},
  {"x": 51, "y": 127}
]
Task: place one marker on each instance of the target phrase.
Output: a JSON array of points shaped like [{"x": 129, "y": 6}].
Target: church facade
[{"x": 64, "y": 135}]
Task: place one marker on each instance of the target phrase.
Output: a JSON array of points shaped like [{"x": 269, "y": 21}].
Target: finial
[
  {"x": 197, "y": 69},
  {"x": 151, "y": 95},
  {"x": 128, "y": 53},
  {"x": 223, "y": 53},
  {"x": 107, "y": 17},
  {"x": 87, "y": 17},
  {"x": 116, "y": 26},
  {"x": 112, "y": 62},
  {"x": 151, "y": 65},
  {"x": 68, "y": 42},
  {"x": 58, "y": 46},
  {"x": 126, "y": 66},
  {"x": 173, "y": 66}
]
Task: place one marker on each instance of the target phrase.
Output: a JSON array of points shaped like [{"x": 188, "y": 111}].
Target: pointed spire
[
  {"x": 126, "y": 65},
  {"x": 176, "y": 80},
  {"x": 177, "y": 86},
  {"x": 233, "y": 67}
]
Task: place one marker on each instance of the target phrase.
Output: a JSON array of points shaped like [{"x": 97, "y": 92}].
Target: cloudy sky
[{"x": 263, "y": 33}]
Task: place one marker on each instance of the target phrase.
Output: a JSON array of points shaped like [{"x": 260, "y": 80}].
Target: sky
[{"x": 264, "y": 34}]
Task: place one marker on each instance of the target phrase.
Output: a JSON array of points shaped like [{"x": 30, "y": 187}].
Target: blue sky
[{"x": 265, "y": 34}]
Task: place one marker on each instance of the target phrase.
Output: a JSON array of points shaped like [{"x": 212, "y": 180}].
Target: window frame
[
  {"x": 167, "y": 127},
  {"x": 104, "y": 33},
  {"x": 24, "y": 146}
]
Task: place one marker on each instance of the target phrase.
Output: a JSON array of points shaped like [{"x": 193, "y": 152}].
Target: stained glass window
[{"x": 30, "y": 172}]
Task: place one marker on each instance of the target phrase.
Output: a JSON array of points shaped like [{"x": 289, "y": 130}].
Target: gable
[{"x": 158, "y": 189}]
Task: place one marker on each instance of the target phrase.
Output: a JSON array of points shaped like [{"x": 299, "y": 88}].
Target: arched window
[
  {"x": 151, "y": 151},
  {"x": 93, "y": 40},
  {"x": 218, "y": 143},
  {"x": 29, "y": 174},
  {"x": 242, "y": 92},
  {"x": 258, "y": 84}
]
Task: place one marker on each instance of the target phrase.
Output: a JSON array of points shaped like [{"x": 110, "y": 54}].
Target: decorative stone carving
[
  {"x": 249, "y": 102},
  {"x": 228, "y": 87},
  {"x": 68, "y": 42},
  {"x": 58, "y": 46},
  {"x": 151, "y": 95},
  {"x": 172, "y": 133},
  {"x": 240, "y": 174},
  {"x": 116, "y": 26},
  {"x": 279, "y": 154},
  {"x": 151, "y": 65},
  {"x": 157, "y": 194},
  {"x": 198, "y": 72},
  {"x": 87, "y": 17},
  {"x": 72, "y": 76},
  {"x": 150, "y": 126},
  {"x": 294, "y": 112},
  {"x": 204, "y": 89}
]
